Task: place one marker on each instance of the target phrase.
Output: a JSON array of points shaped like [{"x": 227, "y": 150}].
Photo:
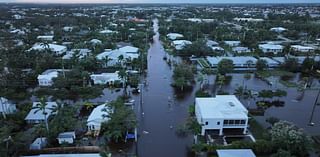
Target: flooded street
[{"x": 158, "y": 123}]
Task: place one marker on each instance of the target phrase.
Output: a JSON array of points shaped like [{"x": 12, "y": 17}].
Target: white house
[
  {"x": 270, "y": 62},
  {"x": 180, "y": 44},
  {"x": 271, "y": 48},
  {"x": 235, "y": 153},
  {"x": 220, "y": 113},
  {"x": 240, "y": 49},
  {"x": 67, "y": 28},
  {"x": 216, "y": 48},
  {"x": 66, "y": 137},
  {"x": 238, "y": 62},
  {"x": 38, "y": 143},
  {"x": 6, "y": 107},
  {"x": 304, "y": 49},
  {"x": 35, "y": 117},
  {"x": 113, "y": 56},
  {"x": 57, "y": 49},
  {"x": 105, "y": 78},
  {"x": 78, "y": 53},
  {"x": 232, "y": 43},
  {"x": 129, "y": 49},
  {"x": 46, "y": 78},
  {"x": 97, "y": 116},
  {"x": 174, "y": 36},
  {"x": 211, "y": 43},
  {"x": 95, "y": 41},
  {"x": 45, "y": 37},
  {"x": 278, "y": 29}
]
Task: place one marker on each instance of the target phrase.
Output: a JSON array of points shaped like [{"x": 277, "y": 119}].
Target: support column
[{"x": 221, "y": 132}]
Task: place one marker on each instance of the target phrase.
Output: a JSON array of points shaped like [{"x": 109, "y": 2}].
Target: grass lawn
[
  {"x": 268, "y": 73},
  {"x": 288, "y": 83}
]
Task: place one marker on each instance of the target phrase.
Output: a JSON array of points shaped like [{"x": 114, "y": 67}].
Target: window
[
  {"x": 231, "y": 122},
  {"x": 218, "y": 123},
  {"x": 242, "y": 122},
  {"x": 237, "y": 122},
  {"x": 225, "y": 122},
  {"x": 207, "y": 123}
]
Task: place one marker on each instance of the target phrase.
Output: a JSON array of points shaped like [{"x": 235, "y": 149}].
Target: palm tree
[
  {"x": 120, "y": 59},
  {"x": 41, "y": 107},
  {"x": 123, "y": 76},
  {"x": 106, "y": 60},
  {"x": 46, "y": 46}
]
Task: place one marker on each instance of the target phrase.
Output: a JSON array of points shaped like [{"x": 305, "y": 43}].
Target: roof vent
[{"x": 231, "y": 104}]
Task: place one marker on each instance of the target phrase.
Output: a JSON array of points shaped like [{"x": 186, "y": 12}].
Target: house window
[
  {"x": 207, "y": 123},
  {"x": 218, "y": 123},
  {"x": 237, "y": 121},
  {"x": 225, "y": 122},
  {"x": 242, "y": 122}
]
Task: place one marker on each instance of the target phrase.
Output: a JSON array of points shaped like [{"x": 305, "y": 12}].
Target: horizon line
[{"x": 163, "y": 3}]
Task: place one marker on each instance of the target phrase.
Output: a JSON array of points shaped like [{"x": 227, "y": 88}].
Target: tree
[
  {"x": 42, "y": 107},
  {"x": 225, "y": 66},
  {"x": 289, "y": 137},
  {"x": 307, "y": 65},
  {"x": 282, "y": 153},
  {"x": 123, "y": 75},
  {"x": 121, "y": 120},
  {"x": 290, "y": 64},
  {"x": 261, "y": 65},
  {"x": 265, "y": 94},
  {"x": 183, "y": 75}
]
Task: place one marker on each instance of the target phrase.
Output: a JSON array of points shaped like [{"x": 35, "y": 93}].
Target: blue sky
[{"x": 166, "y": 1}]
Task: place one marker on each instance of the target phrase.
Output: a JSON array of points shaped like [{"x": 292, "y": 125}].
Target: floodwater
[
  {"x": 158, "y": 119},
  {"x": 162, "y": 111}
]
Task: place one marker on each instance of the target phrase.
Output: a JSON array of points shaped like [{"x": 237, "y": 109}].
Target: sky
[{"x": 162, "y": 1}]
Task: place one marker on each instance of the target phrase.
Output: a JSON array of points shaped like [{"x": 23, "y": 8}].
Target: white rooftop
[
  {"x": 239, "y": 60},
  {"x": 98, "y": 116},
  {"x": 235, "y": 153},
  {"x": 271, "y": 46},
  {"x": 33, "y": 115},
  {"x": 52, "y": 47},
  {"x": 174, "y": 36},
  {"x": 221, "y": 107},
  {"x": 129, "y": 49}
]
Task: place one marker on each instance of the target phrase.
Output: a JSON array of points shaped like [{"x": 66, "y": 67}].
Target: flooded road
[{"x": 158, "y": 120}]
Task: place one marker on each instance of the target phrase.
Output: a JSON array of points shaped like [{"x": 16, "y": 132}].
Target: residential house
[
  {"x": 113, "y": 56},
  {"x": 35, "y": 117},
  {"x": 235, "y": 153},
  {"x": 174, "y": 36},
  {"x": 180, "y": 44},
  {"x": 105, "y": 78},
  {"x": 46, "y": 78},
  {"x": 78, "y": 53},
  {"x": 220, "y": 113},
  {"x": 6, "y": 107},
  {"x": 95, "y": 41},
  {"x": 211, "y": 43},
  {"x": 270, "y": 62},
  {"x": 66, "y": 137},
  {"x": 38, "y": 143},
  {"x": 278, "y": 29},
  {"x": 271, "y": 48},
  {"x": 238, "y": 62},
  {"x": 97, "y": 116},
  {"x": 232, "y": 43},
  {"x": 57, "y": 49},
  {"x": 303, "y": 49},
  {"x": 240, "y": 49},
  {"x": 45, "y": 37}
]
